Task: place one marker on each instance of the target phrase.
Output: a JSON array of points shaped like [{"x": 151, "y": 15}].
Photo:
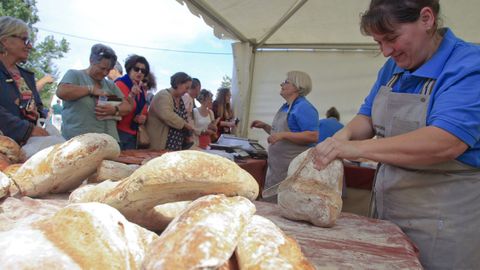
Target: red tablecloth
[{"x": 355, "y": 242}]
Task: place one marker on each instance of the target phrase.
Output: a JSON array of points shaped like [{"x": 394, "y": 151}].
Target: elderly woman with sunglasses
[
  {"x": 20, "y": 104},
  {"x": 294, "y": 128},
  {"x": 83, "y": 111},
  {"x": 131, "y": 84}
]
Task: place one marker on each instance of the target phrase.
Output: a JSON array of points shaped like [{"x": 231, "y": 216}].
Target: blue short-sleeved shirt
[
  {"x": 302, "y": 117},
  {"x": 455, "y": 100},
  {"x": 327, "y": 128}
]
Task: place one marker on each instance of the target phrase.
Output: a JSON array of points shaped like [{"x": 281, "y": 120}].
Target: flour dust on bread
[
  {"x": 179, "y": 176},
  {"x": 5, "y": 183},
  {"x": 64, "y": 166},
  {"x": 313, "y": 196},
  {"x": 204, "y": 236},
  {"x": 112, "y": 170},
  {"x": 79, "y": 236},
  {"x": 264, "y": 246}
]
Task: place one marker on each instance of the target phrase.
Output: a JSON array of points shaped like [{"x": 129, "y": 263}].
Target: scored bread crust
[
  {"x": 265, "y": 246},
  {"x": 204, "y": 236},
  {"x": 79, "y": 236},
  {"x": 64, "y": 166},
  {"x": 314, "y": 195},
  {"x": 11, "y": 149},
  {"x": 179, "y": 176}
]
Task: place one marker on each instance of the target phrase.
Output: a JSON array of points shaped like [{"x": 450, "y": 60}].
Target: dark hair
[
  {"x": 382, "y": 15},
  {"x": 100, "y": 51},
  {"x": 133, "y": 59},
  {"x": 151, "y": 81},
  {"x": 179, "y": 78},
  {"x": 332, "y": 112},
  {"x": 204, "y": 94},
  {"x": 195, "y": 82}
]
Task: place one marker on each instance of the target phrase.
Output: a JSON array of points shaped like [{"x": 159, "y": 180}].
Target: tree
[
  {"x": 43, "y": 52},
  {"x": 226, "y": 81}
]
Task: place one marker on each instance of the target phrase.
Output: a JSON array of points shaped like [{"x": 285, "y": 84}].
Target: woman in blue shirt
[
  {"x": 424, "y": 110},
  {"x": 294, "y": 128}
]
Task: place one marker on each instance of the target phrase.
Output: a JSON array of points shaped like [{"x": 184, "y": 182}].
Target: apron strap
[
  {"x": 427, "y": 87},
  {"x": 393, "y": 80}
]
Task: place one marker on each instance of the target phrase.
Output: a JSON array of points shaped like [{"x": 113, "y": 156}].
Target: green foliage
[
  {"x": 226, "y": 81},
  {"x": 43, "y": 52}
]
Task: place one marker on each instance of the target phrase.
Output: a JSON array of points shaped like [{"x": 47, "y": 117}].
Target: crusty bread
[
  {"x": 204, "y": 236},
  {"x": 92, "y": 192},
  {"x": 112, "y": 170},
  {"x": 12, "y": 169},
  {"x": 11, "y": 149},
  {"x": 179, "y": 176},
  {"x": 62, "y": 167},
  {"x": 158, "y": 218},
  {"x": 314, "y": 195},
  {"x": 4, "y": 185},
  {"x": 265, "y": 246},
  {"x": 4, "y": 162},
  {"x": 80, "y": 236}
]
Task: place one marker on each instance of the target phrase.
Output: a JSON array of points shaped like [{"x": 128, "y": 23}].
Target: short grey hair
[
  {"x": 100, "y": 51},
  {"x": 118, "y": 67},
  {"x": 10, "y": 26},
  {"x": 301, "y": 80}
]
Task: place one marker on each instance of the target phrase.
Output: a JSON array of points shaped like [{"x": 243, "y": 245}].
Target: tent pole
[{"x": 244, "y": 132}]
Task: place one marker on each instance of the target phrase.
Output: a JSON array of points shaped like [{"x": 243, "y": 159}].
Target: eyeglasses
[
  {"x": 285, "y": 82},
  {"x": 26, "y": 40},
  {"x": 137, "y": 69}
]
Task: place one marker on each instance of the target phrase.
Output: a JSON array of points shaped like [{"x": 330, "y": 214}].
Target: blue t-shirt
[
  {"x": 302, "y": 117},
  {"x": 455, "y": 100},
  {"x": 327, "y": 128}
]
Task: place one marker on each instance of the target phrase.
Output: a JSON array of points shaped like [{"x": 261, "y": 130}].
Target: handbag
[{"x": 143, "y": 140}]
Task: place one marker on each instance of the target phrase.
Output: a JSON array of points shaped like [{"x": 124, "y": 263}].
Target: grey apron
[
  {"x": 281, "y": 153},
  {"x": 437, "y": 206}
]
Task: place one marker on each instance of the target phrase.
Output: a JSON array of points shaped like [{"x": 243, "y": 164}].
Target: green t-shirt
[{"x": 78, "y": 116}]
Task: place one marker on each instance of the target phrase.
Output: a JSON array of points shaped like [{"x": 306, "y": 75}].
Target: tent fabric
[{"x": 320, "y": 37}]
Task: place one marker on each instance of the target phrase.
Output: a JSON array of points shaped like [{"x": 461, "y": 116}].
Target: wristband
[
  {"x": 117, "y": 111},
  {"x": 90, "y": 90}
]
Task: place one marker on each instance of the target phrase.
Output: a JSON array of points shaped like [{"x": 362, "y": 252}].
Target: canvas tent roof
[{"x": 320, "y": 37}]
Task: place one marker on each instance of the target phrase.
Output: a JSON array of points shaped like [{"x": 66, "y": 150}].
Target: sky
[{"x": 145, "y": 27}]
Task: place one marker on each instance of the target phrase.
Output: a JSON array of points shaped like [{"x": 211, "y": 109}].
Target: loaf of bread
[
  {"x": 112, "y": 170},
  {"x": 63, "y": 167},
  {"x": 12, "y": 169},
  {"x": 92, "y": 192},
  {"x": 158, "y": 218},
  {"x": 4, "y": 185},
  {"x": 11, "y": 149},
  {"x": 312, "y": 195},
  {"x": 179, "y": 176},
  {"x": 204, "y": 236},
  {"x": 4, "y": 162},
  {"x": 79, "y": 236},
  {"x": 265, "y": 246}
]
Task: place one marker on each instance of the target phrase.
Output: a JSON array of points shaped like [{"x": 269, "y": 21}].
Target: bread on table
[
  {"x": 4, "y": 162},
  {"x": 79, "y": 236},
  {"x": 12, "y": 169},
  {"x": 63, "y": 167},
  {"x": 313, "y": 195},
  {"x": 112, "y": 170},
  {"x": 179, "y": 176},
  {"x": 204, "y": 236},
  {"x": 11, "y": 149},
  {"x": 265, "y": 246},
  {"x": 5, "y": 183},
  {"x": 92, "y": 192},
  {"x": 158, "y": 218}
]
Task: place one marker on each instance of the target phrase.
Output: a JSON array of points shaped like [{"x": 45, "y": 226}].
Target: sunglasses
[
  {"x": 137, "y": 69},
  {"x": 26, "y": 40}
]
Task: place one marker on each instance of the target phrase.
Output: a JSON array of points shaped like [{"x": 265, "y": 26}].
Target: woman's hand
[
  {"x": 104, "y": 110},
  {"x": 140, "y": 119},
  {"x": 38, "y": 131},
  {"x": 272, "y": 139},
  {"x": 331, "y": 148},
  {"x": 258, "y": 124},
  {"x": 135, "y": 90},
  {"x": 188, "y": 127}
]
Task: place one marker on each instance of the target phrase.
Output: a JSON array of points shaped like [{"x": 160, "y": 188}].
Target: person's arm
[
  {"x": 301, "y": 138},
  {"x": 47, "y": 79},
  {"x": 259, "y": 124},
  {"x": 164, "y": 110},
  {"x": 19, "y": 130}
]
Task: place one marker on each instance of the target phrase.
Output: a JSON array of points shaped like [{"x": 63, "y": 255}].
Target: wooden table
[{"x": 355, "y": 242}]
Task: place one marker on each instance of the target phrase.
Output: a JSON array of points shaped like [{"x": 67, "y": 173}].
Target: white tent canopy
[{"x": 320, "y": 37}]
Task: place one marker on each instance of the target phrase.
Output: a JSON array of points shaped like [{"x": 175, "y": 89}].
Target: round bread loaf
[{"x": 11, "y": 149}]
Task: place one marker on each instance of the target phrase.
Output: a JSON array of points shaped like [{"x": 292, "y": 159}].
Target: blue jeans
[{"x": 127, "y": 141}]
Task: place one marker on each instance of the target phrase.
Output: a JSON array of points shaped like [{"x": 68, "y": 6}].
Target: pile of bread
[{"x": 110, "y": 224}]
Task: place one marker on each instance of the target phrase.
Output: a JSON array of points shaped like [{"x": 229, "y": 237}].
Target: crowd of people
[{"x": 420, "y": 121}]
